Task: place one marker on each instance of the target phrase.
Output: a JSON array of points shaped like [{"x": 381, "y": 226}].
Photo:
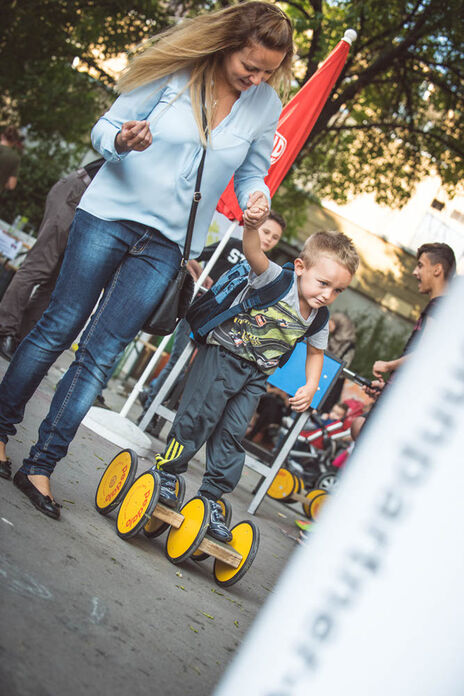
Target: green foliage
[
  {"x": 376, "y": 340},
  {"x": 292, "y": 203},
  {"x": 41, "y": 91},
  {"x": 396, "y": 112}
]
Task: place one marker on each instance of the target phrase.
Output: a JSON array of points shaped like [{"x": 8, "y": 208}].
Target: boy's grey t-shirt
[{"x": 262, "y": 336}]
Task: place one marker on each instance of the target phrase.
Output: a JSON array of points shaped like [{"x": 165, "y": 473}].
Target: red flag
[{"x": 295, "y": 124}]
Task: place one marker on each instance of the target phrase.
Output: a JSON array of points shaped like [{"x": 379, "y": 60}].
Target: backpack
[{"x": 215, "y": 306}]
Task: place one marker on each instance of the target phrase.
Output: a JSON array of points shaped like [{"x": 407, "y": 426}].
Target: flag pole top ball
[{"x": 350, "y": 36}]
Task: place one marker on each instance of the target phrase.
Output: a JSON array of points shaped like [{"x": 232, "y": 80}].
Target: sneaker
[
  {"x": 217, "y": 524},
  {"x": 168, "y": 494}
]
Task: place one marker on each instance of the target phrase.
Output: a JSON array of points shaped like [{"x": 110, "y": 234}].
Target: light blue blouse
[{"x": 155, "y": 187}]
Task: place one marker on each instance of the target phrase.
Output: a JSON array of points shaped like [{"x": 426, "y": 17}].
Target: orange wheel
[
  {"x": 282, "y": 486},
  {"x": 316, "y": 499}
]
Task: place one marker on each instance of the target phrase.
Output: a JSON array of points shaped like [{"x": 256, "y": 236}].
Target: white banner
[
  {"x": 9, "y": 246},
  {"x": 373, "y": 604}
]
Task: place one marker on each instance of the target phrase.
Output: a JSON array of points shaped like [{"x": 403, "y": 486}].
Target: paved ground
[{"x": 84, "y": 612}]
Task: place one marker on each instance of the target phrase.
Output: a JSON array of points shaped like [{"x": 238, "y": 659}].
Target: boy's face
[
  {"x": 337, "y": 413},
  {"x": 424, "y": 273},
  {"x": 270, "y": 233},
  {"x": 321, "y": 284}
]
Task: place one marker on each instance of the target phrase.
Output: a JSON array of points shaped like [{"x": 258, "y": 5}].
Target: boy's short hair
[
  {"x": 439, "y": 252},
  {"x": 277, "y": 218},
  {"x": 330, "y": 243}
]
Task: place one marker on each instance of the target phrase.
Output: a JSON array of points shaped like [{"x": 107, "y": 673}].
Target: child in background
[
  {"x": 229, "y": 375},
  {"x": 337, "y": 412}
]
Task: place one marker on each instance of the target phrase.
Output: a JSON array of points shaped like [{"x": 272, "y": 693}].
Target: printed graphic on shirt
[
  {"x": 262, "y": 336},
  {"x": 236, "y": 256}
]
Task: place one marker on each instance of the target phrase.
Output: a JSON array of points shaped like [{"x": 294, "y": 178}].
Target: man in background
[
  {"x": 435, "y": 267},
  {"x": 19, "y": 308}
]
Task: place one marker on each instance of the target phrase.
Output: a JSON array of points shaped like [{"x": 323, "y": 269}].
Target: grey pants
[
  {"x": 42, "y": 264},
  {"x": 220, "y": 397}
]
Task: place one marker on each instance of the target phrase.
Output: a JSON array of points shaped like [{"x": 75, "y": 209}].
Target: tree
[
  {"x": 41, "y": 45},
  {"x": 396, "y": 113}
]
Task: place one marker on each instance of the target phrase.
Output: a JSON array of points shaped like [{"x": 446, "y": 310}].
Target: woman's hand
[
  {"x": 257, "y": 210},
  {"x": 134, "y": 135}
]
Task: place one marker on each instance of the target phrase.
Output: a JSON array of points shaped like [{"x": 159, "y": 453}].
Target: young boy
[
  {"x": 230, "y": 371},
  {"x": 270, "y": 233}
]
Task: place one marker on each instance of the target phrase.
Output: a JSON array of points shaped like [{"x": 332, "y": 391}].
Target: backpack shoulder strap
[
  {"x": 258, "y": 299},
  {"x": 320, "y": 320}
]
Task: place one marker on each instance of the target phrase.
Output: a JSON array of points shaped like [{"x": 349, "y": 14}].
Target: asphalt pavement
[{"x": 83, "y": 611}]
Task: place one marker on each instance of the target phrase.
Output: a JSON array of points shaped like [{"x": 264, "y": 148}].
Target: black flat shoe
[
  {"x": 5, "y": 469},
  {"x": 40, "y": 501},
  {"x": 8, "y": 345}
]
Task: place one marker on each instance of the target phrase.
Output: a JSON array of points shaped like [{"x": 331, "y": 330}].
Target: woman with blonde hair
[{"x": 128, "y": 233}]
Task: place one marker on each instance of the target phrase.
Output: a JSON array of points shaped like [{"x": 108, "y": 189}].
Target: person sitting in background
[
  {"x": 337, "y": 412},
  {"x": 272, "y": 407}
]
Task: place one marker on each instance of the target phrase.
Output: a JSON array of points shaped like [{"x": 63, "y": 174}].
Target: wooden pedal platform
[{"x": 213, "y": 547}]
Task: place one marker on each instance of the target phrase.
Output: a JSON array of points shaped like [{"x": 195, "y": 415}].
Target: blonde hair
[
  {"x": 199, "y": 44},
  {"x": 334, "y": 244}
]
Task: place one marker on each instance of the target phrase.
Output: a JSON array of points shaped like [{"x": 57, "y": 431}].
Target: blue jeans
[{"x": 133, "y": 263}]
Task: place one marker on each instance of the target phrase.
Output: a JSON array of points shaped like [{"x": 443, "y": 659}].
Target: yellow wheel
[
  {"x": 138, "y": 505},
  {"x": 245, "y": 540},
  {"x": 155, "y": 527},
  {"x": 282, "y": 486},
  {"x": 316, "y": 498},
  {"x": 182, "y": 542},
  {"x": 299, "y": 487},
  {"x": 116, "y": 481},
  {"x": 227, "y": 512}
]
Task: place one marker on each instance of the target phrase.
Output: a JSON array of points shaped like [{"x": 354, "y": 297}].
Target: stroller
[{"x": 319, "y": 453}]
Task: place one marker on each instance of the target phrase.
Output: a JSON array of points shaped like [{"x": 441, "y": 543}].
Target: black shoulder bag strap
[{"x": 196, "y": 193}]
